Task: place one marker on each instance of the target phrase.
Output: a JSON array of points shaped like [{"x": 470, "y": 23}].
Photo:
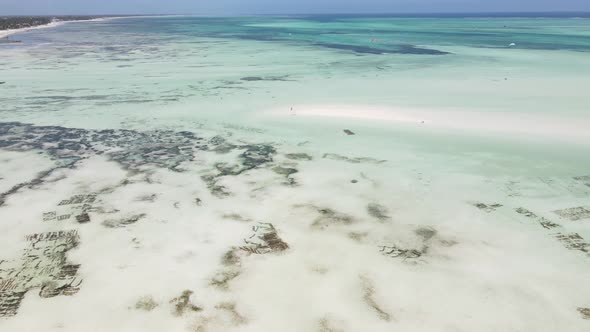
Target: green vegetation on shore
[{"x": 20, "y": 22}]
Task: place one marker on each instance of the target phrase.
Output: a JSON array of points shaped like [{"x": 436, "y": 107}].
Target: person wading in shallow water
[{"x": 292, "y": 112}]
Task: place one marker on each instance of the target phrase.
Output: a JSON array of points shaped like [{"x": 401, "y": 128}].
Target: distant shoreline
[
  {"x": 7, "y": 30},
  {"x": 28, "y": 23}
]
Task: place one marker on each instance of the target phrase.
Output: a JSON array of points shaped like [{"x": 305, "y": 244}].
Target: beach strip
[
  {"x": 9, "y": 32},
  {"x": 534, "y": 125}
]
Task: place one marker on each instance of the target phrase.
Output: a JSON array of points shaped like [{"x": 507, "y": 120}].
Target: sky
[{"x": 234, "y": 7}]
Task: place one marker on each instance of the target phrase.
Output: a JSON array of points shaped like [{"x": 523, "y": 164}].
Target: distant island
[{"x": 23, "y": 22}]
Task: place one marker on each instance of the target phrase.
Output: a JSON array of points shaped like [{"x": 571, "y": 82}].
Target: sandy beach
[
  {"x": 548, "y": 126},
  {"x": 6, "y": 33}
]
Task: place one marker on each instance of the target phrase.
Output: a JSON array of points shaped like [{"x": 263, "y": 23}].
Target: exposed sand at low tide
[
  {"x": 561, "y": 128},
  {"x": 6, "y": 33}
]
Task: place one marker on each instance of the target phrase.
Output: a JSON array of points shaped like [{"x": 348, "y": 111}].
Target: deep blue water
[{"x": 358, "y": 34}]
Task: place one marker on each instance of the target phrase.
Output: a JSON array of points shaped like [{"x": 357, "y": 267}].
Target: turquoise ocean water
[{"x": 425, "y": 173}]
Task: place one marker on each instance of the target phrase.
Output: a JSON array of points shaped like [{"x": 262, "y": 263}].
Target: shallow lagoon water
[{"x": 191, "y": 197}]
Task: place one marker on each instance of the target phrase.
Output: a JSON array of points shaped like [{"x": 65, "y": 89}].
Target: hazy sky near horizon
[{"x": 230, "y": 7}]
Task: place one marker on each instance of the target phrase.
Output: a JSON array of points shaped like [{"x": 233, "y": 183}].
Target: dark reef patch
[
  {"x": 298, "y": 156},
  {"x": 286, "y": 172},
  {"x": 236, "y": 217},
  {"x": 265, "y": 78},
  {"x": 83, "y": 218},
  {"x": 253, "y": 156},
  {"x": 349, "y": 132},
  {"x": 134, "y": 150},
  {"x": 263, "y": 240},
  {"x": 131, "y": 149},
  {"x": 584, "y": 179},
  {"x": 43, "y": 265},
  {"x": 395, "y": 252},
  {"x": 574, "y": 214},
  {"x": 574, "y": 241},
  {"x": 369, "y": 298},
  {"x": 487, "y": 207},
  {"x": 79, "y": 199},
  {"x": 182, "y": 304},
  {"x": 222, "y": 279},
  {"x": 378, "y": 212},
  {"x": 256, "y": 155},
  {"x": 146, "y": 303},
  {"x": 326, "y": 326},
  {"x": 123, "y": 222},
  {"x": 525, "y": 212},
  {"x": 221, "y": 145},
  {"x": 356, "y": 160},
  {"x": 396, "y": 49},
  {"x": 231, "y": 262},
  {"x": 77, "y": 205},
  {"x": 230, "y": 308},
  {"x": 426, "y": 233},
  {"x": 327, "y": 217},
  {"x": 38, "y": 180},
  {"x": 544, "y": 222},
  {"x": 571, "y": 241}
]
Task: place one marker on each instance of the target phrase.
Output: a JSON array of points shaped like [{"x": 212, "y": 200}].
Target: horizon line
[{"x": 317, "y": 13}]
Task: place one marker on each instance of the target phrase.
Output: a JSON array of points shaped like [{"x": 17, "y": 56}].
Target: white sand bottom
[
  {"x": 403, "y": 246},
  {"x": 551, "y": 126}
]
